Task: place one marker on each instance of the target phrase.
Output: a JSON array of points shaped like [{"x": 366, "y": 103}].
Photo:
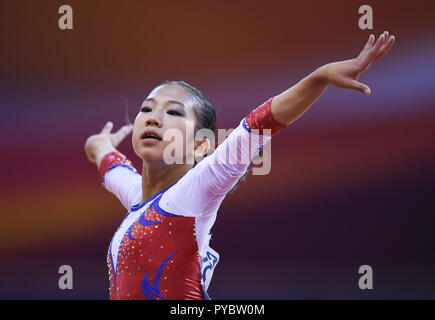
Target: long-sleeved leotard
[{"x": 161, "y": 249}]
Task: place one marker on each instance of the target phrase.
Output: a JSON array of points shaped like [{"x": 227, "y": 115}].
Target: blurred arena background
[{"x": 352, "y": 181}]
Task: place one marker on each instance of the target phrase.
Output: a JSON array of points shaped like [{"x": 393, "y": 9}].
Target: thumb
[{"x": 360, "y": 87}]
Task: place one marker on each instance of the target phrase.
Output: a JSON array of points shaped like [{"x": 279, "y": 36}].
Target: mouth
[{"x": 150, "y": 135}]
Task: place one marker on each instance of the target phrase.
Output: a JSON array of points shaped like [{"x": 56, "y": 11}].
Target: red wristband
[
  {"x": 111, "y": 159},
  {"x": 262, "y": 118}
]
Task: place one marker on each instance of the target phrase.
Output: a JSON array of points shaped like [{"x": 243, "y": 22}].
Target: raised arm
[
  {"x": 98, "y": 145},
  {"x": 117, "y": 173},
  {"x": 201, "y": 190},
  {"x": 292, "y": 103},
  {"x": 214, "y": 176}
]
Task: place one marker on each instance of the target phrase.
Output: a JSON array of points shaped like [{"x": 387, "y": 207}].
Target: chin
[{"x": 146, "y": 153}]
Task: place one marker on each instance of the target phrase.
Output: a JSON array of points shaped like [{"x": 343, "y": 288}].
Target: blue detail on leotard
[
  {"x": 157, "y": 207},
  {"x": 129, "y": 233},
  {"x": 212, "y": 260},
  {"x": 205, "y": 294},
  {"x": 111, "y": 261},
  {"x": 146, "y": 222},
  {"x": 245, "y": 125},
  {"x": 146, "y": 286},
  {"x": 140, "y": 205},
  {"x": 129, "y": 230}
]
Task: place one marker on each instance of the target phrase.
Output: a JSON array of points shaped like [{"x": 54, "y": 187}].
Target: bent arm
[
  {"x": 117, "y": 173},
  {"x": 120, "y": 178}
]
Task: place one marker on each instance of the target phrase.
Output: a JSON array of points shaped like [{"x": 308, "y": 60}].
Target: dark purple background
[{"x": 352, "y": 181}]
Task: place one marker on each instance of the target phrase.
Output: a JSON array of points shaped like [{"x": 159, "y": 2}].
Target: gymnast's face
[{"x": 169, "y": 106}]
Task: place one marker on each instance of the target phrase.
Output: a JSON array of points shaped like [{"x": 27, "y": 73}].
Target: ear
[{"x": 201, "y": 148}]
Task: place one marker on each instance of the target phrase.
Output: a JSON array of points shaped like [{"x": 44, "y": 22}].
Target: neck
[{"x": 157, "y": 175}]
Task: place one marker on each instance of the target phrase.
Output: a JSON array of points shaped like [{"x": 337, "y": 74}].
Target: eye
[
  {"x": 174, "y": 113},
  {"x": 145, "y": 109}
]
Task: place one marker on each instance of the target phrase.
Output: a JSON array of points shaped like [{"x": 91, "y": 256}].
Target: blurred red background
[{"x": 352, "y": 181}]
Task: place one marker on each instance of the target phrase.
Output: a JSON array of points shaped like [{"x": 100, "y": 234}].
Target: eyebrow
[{"x": 169, "y": 101}]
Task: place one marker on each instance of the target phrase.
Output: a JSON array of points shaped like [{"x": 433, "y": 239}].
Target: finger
[
  {"x": 370, "y": 55},
  {"x": 386, "y": 34},
  {"x": 368, "y": 45},
  {"x": 375, "y": 49},
  {"x": 360, "y": 87},
  {"x": 386, "y": 47},
  {"x": 122, "y": 133},
  {"x": 107, "y": 127}
]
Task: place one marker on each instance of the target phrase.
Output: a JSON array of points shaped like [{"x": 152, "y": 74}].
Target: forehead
[{"x": 172, "y": 93}]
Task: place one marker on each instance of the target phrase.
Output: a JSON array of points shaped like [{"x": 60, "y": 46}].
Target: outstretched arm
[
  {"x": 214, "y": 176},
  {"x": 117, "y": 173},
  {"x": 292, "y": 103}
]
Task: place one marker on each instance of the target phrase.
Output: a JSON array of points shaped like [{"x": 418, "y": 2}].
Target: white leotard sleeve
[
  {"x": 202, "y": 189},
  {"x": 125, "y": 183}
]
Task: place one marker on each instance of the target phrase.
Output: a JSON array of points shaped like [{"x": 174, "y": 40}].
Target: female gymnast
[{"x": 161, "y": 249}]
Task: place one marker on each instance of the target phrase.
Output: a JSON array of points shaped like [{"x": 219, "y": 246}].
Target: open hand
[
  {"x": 344, "y": 74},
  {"x": 99, "y": 144}
]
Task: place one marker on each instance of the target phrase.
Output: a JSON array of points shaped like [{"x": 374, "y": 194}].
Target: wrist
[
  {"x": 321, "y": 74},
  {"x": 111, "y": 159},
  {"x": 101, "y": 152}
]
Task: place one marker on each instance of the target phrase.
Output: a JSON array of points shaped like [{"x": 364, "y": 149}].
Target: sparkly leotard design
[{"x": 161, "y": 249}]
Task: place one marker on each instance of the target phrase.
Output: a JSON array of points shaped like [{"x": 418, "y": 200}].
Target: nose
[{"x": 152, "y": 121}]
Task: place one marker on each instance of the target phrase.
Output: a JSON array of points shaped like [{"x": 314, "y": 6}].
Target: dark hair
[
  {"x": 205, "y": 114},
  {"x": 204, "y": 111}
]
